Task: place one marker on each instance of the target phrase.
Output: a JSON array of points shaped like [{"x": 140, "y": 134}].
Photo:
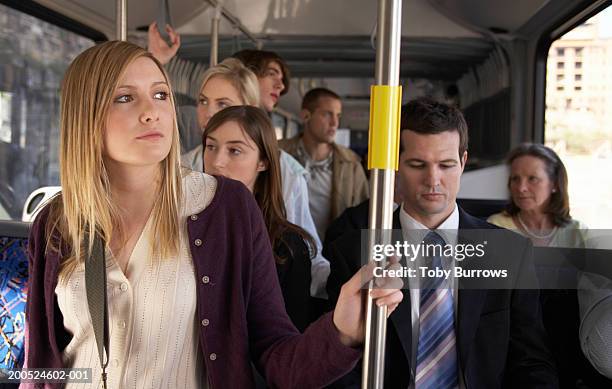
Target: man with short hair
[
  {"x": 444, "y": 334},
  {"x": 336, "y": 179},
  {"x": 272, "y": 73}
]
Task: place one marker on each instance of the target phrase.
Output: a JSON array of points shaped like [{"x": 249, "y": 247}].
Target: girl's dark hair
[
  {"x": 268, "y": 188},
  {"x": 558, "y": 206}
]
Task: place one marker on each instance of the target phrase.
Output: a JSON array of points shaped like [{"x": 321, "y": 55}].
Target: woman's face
[
  {"x": 139, "y": 125},
  {"x": 216, "y": 94},
  {"x": 530, "y": 185},
  {"x": 230, "y": 152}
]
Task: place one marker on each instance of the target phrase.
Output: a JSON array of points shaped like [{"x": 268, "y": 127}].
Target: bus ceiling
[{"x": 441, "y": 38}]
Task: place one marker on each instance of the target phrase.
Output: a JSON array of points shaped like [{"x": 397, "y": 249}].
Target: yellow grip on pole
[{"x": 383, "y": 144}]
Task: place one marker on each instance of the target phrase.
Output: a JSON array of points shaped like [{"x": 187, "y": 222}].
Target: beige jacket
[{"x": 350, "y": 186}]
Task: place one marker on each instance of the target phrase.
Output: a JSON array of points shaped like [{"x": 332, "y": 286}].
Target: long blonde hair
[
  {"x": 86, "y": 95},
  {"x": 242, "y": 78}
]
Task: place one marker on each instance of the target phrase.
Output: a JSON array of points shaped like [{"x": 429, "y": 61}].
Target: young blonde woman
[
  {"x": 192, "y": 290},
  {"x": 227, "y": 84}
]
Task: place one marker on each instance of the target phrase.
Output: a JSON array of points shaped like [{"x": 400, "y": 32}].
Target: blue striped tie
[{"x": 436, "y": 351}]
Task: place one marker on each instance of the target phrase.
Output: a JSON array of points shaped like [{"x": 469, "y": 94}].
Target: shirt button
[
  {"x": 198, "y": 242},
  {"x": 115, "y": 363},
  {"x": 205, "y": 322},
  {"x": 194, "y": 217},
  {"x": 205, "y": 279},
  {"x": 213, "y": 356},
  {"x": 121, "y": 324},
  {"x": 123, "y": 287}
]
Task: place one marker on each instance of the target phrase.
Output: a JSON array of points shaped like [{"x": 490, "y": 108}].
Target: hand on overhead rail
[{"x": 158, "y": 46}]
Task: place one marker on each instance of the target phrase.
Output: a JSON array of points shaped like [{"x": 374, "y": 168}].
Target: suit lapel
[
  {"x": 470, "y": 306},
  {"x": 470, "y": 303},
  {"x": 402, "y": 316},
  {"x": 402, "y": 320}
]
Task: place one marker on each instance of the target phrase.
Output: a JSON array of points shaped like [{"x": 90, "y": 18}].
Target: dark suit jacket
[
  {"x": 501, "y": 342},
  {"x": 353, "y": 218}
]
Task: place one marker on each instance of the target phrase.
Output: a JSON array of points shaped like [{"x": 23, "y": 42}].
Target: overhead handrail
[
  {"x": 185, "y": 75},
  {"x": 121, "y": 20},
  {"x": 237, "y": 23},
  {"x": 214, "y": 36},
  {"x": 163, "y": 19}
]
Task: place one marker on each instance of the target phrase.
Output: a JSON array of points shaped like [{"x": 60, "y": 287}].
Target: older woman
[
  {"x": 539, "y": 209},
  {"x": 539, "y": 202}
]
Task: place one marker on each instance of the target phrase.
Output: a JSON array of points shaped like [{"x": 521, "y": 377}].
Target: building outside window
[{"x": 578, "y": 128}]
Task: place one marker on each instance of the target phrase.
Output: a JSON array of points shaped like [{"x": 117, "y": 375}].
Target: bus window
[
  {"x": 578, "y": 115},
  {"x": 33, "y": 57}
]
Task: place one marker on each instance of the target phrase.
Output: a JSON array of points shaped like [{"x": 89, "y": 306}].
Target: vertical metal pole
[
  {"x": 214, "y": 36},
  {"x": 121, "y": 19},
  {"x": 382, "y": 180}
]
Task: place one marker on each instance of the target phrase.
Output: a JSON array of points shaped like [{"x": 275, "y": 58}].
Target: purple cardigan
[{"x": 238, "y": 294}]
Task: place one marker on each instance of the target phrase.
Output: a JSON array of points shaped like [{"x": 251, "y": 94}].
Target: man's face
[
  {"x": 271, "y": 85},
  {"x": 429, "y": 171},
  {"x": 322, "y": 123}
]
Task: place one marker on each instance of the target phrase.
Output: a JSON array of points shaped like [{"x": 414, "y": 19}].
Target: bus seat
[
  {"x": 13, "y": 291},
  {"x": 557, "y": 270},
  {"x": 482, "y": 208},
  {"x": 36, "y": 200}
]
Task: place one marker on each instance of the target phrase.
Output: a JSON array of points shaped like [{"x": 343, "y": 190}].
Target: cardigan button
[
  {"x": 205, "y": 279},
  {"x": 213, "y": 356},
  {"x": 198, "y": 242},
  {"x": 194, "y": 217},
  {"x": 205, "y": 322}
]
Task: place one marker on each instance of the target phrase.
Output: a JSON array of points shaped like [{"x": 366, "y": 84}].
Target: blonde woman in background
[{"x": 227, "y": 84}]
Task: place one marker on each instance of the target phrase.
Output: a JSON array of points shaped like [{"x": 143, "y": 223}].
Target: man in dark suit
[{"x": 454, "y": 334}]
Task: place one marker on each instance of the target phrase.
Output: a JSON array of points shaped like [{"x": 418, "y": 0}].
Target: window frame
[
  {"x": 50, "y": 16},
  {"x": 580, "y": 13},
  {"x": 55, "y": 20}
]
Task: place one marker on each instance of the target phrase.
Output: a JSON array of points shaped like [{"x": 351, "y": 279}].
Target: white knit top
[{"x": 152, "y": 312}]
